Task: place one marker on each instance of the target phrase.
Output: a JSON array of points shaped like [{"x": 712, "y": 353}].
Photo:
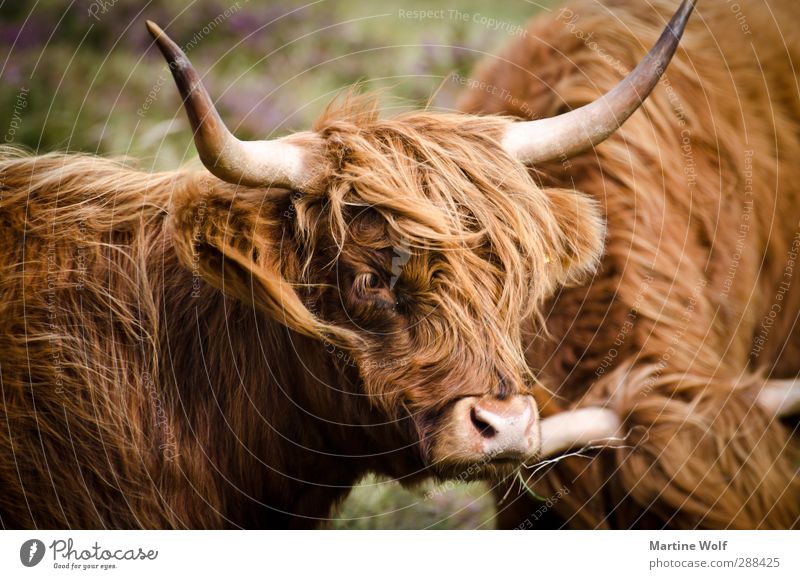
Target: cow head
[{"x": 417, "y": 245}]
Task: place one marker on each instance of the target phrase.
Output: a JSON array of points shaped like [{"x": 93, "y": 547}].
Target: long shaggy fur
[
  {"x": 696, "y": 301},
  {"x": 180, "y": 352}
]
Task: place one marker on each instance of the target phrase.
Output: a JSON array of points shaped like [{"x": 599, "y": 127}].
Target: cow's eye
[{"x": 368, "y": 281}]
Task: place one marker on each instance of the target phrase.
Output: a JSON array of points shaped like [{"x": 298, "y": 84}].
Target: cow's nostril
[{"x": 486, "y": 430}]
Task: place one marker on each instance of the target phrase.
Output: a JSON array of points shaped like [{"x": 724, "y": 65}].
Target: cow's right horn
[
  {"x": 277, "y": 163},
  {"x": 573, "y": 132}
]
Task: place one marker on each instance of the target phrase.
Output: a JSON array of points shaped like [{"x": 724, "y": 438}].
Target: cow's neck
[{"x": 260, "y": 409}]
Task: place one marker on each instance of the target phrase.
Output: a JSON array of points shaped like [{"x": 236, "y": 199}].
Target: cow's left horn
[
  {"x": 277, "y": 163},
  {"x": 568, "y": 134}
]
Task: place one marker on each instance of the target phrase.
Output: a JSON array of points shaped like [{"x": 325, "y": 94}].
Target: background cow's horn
[
  {"x": 598, "y": 426},
  {"x": 255, "y": 163},
  {"x": 571, "y": 133},
  {"x": 578, "y": 428}
]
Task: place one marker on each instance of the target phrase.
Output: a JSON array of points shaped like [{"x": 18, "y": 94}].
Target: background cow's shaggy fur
[{"x": 679, "y": 328}]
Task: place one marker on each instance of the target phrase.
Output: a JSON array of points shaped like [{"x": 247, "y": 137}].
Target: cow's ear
[
  {"x": 236, "y": 239},
  {"x": 581, "y": 235}
]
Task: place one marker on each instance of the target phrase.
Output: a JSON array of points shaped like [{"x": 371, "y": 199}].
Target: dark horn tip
[
  {"x": 171, "y": 51},
  {"x": 682, "y": 15},
  {"x": 154, "y": 29}
]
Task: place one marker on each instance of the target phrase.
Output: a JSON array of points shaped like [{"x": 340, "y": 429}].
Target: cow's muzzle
[{"x": 489, "y": 429}]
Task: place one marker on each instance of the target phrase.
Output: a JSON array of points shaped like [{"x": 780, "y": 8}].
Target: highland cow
[
  {"x": 237, "y": 347},
  {"x": 688, "y": 331}
]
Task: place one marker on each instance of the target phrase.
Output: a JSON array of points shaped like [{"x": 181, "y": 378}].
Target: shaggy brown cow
[
  {"x": 696, "y": 302},
  {"x": 239, "y": 347}
]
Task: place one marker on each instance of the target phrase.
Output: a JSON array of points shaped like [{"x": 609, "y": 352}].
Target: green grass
[{"x": 382, "y": 504}]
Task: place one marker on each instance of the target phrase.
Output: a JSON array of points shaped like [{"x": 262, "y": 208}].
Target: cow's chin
[
  {"x": 475, "y": 470},
  {"x": 450, "y": 461}
]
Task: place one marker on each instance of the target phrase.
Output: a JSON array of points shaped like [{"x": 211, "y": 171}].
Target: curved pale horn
[
  {"x": 781, "y": 397},
  {"x": 577, "y": 428},
  {"x": 568, "y": 134},
  {"x": 275, "y": 163},
  {"x": 598, "y": 426}
]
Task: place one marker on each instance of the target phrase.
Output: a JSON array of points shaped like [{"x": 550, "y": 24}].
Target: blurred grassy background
[
  {"x": 83, "y": 76},
  {"x": 383, "y": 504}
]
